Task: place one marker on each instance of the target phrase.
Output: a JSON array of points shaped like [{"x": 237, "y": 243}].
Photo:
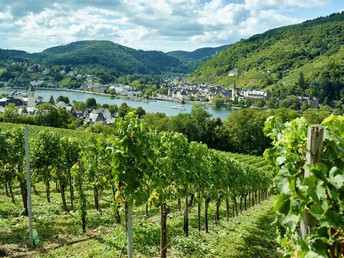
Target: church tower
[
  {"x": 234, "y": 91},
  {"x": 31, "y": 103}
]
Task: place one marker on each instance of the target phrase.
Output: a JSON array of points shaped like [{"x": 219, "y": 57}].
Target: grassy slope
[
  {"x": 249, "y": 235},
  {"x": 306, "y": 47}
]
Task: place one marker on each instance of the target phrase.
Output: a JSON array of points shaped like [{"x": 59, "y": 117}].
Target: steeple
[
  {"x": 31, "y": 89},
  {"x": 31, "y": 99},
  {"x": 234, "y": 91}
]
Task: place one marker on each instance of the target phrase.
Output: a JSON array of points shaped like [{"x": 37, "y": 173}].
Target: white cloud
[
  {"x": 306, "y": 3},
  {"x": 262, "y": 21},
  {"x": 146, "y": 24},
  {"x": 281, "y": 4},
  {"x": 5, "y": 15}
]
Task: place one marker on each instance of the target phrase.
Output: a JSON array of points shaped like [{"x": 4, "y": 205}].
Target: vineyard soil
[{"x": 248, "y": 235}]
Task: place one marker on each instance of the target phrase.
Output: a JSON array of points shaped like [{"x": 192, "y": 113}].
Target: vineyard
[
  {"x": 156, "y": 191},
  {"x": 140, "y": 193},
  {"x": 308, "y": 164}
]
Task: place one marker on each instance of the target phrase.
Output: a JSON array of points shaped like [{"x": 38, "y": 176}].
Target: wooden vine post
[
  {"x": 29, "y": 204},
  {"x": 315, "y": 137},
  {"x": 164, "y": 210},
  {"x": 130, "y": 229}
]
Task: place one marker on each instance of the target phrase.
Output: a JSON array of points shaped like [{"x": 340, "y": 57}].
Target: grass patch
[
  {"x": 63, "y": 83},
  {"x": 248, "y": 235}
]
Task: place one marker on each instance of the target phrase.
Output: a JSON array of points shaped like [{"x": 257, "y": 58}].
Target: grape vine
[
  {"x": 317, "y": 199},
  {"x": 141, "y": 166}
]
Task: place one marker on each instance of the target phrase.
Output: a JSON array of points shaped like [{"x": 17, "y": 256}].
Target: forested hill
[
  {"x": 276, "y": 58},
  {"x": 197, "y": 54},
  {"x": 103, "y": 55},
  {"x": 14, "y": 55},
  {"x": 110, "y": 56}
]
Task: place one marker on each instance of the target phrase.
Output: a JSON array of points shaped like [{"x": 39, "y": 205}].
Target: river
[{"x": 151, "y": 106}]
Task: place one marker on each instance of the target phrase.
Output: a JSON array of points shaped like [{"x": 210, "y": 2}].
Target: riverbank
[
  {"x": 109, "y": 95},
  {"x": 152, "y": 106},
  {"x": 205, "y": 104}
]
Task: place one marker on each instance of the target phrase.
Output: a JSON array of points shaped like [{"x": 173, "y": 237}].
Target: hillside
[
  {"x": 194, "y": 59},
  {"x": 15, "y": 55},
  {"x": 68, "y": 65},
  {"x": 113, "y": 58},
  {"x": 197, "y": 54},
  {"x": 274, "y": 60},
  {"x": 110, "y": 56}
]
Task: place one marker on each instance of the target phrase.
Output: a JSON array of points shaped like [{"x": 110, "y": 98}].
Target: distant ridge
[
  {"x": 196, "y": 54},
  {"x": 111, "y": 57}
]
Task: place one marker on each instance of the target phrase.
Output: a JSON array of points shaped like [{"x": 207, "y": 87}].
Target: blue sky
[{"x": 166, "y": 25}]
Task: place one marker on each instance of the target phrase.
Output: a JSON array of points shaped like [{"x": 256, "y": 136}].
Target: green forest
[
  {"x": 107, "y": 57},
  {"x": 106, "y": 61}
]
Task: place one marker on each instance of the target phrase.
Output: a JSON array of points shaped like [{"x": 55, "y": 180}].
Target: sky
[{"x": 165, "y": 25}]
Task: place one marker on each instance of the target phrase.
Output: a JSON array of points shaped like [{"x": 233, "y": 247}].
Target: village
[{"x": 175, "y": 89}]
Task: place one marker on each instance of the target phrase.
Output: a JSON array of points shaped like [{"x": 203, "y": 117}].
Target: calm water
[{"x": 149, "y": 107}]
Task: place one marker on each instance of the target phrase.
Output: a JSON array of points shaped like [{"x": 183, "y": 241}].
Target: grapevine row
[{"x": 139, "y": 165}]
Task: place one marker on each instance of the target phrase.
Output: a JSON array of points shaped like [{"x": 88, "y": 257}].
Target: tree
[
  {"x": 268, "y": 81},
  {"x": 198, "y": 126},
  {"x": 301, "y": 81},
  {"x": 316, "y": 116},
  {"x": 244, "y": 129},
  {"x": 199, "y": 117},
  {"x": 163, "y": 90},
  {"x": 112, "y": 92},
  {"x": 68, "y": 69},
  {"x": 290, "y": 102},
  {"x": 91, "y": 103},
  {"x": 248, "y": 102},
  {"x": 259, "y": 103},
  {"x": 64, "y": 118},
  {"x": 80, "y": 106},
  {"x": 51, "y": 100},
  {"x": 218, "y": 101},
  {"x": 58, "y": 77},
  {"x": 137, "y": 84},
  {"x": 104, "y": 77},
  {"x": 140, "y": 112},
  {"x": 62, "y": 98},
  {"x": 304, "y": 106},
  {"x": 272, "y": 102},
  {"x": 316, "y": 90},
  {"x": 326, "y": 101},
  {"x": 182, "y": 123},
  {"x": 123, "y": 109},
  {"x": 158, "y": 121},
  {"x": 113, "y": 109},
  {"x": 46, "y": 115},
  {"x": 11, "y": 113},
  {"x": 6, "y": 75}
]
